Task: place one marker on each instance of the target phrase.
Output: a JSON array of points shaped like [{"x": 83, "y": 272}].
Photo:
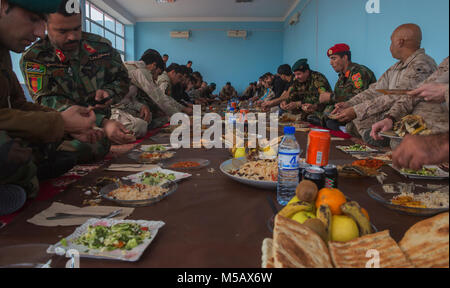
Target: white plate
[
  {"x": 345, "y": 149},
  {"x": 136, "y": 178},
  {"x": 441, "y": 174},
  {"x": 227, "y": 166},
  {"x": 122, "y": 255}
]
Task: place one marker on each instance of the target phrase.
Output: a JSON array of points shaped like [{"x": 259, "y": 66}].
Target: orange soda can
[
  {"x": 233, "y": 105},
  {"x": 318, "y": 151}
]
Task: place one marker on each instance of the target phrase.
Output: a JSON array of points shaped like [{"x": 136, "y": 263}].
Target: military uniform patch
[
  {"x": 35, "y": 68},
  {"x": 357, "y": 80},
  {"x": 35, "y": 82}
]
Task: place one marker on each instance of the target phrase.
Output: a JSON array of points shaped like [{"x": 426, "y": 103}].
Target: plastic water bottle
[
  {"x": 288, "y": 166},
  {"x": 229, "y": 106},
  {"x": 250, "y": 104},
  {"x": 232, "y": 119}
]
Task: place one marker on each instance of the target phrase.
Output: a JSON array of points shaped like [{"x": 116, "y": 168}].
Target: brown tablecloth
[{"x": 211, "y": 221}]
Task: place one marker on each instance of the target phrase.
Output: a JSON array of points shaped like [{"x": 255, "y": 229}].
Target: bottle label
[{"x": 288, "y": 161}]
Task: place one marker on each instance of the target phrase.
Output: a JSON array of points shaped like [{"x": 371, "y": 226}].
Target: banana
[
  {"x": 324, "y": 214},
  {"x": 353, "y": 210},
  {"x": 293, "y": 208}
]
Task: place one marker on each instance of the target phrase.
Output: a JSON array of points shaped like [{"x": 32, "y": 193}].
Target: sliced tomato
[{"x": 144, "y": 228}]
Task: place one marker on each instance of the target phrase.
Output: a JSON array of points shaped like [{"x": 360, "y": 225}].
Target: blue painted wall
[
  {"x": 327, "y": 22},
  {"x": 218, "y": 57}
]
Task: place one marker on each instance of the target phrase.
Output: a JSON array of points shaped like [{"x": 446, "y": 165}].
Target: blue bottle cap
[{"x": 289, "y": 130}]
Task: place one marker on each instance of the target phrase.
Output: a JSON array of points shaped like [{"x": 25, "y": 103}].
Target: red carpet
[{"x": 49, "y": 189}]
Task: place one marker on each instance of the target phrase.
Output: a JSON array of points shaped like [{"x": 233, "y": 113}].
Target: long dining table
[{"x": 211, "y": 221}]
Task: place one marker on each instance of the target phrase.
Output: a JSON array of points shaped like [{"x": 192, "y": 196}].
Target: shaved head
[
  {"x": 411, "y": 34},
  {"x": 405, "y": 40}
]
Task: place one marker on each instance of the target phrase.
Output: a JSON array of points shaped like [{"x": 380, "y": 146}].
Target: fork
[{"x": 65, "y": 215}]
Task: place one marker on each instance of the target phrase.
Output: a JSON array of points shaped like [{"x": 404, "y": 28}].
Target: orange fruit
[
  {"x": 364, "y": 211},
  {"x": 334, "y": 198}
]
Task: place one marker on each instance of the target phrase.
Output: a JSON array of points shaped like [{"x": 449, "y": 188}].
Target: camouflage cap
[
  {"x": 41, "y": 7},
  {"x": 301, "y": 65}
]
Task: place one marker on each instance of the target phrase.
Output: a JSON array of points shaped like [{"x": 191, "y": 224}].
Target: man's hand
[
  {"x": 325, "y": 97},
  {"x": 309, "y": 108},
  {"x": 291, "y": 106},
  {"x": 78, "y": 120},
  {"x": 381, "y": 126},
  {"x": 117, "y": 133},
  {"x": 416, "y": 151},
  {"x": 100, "y": 95},
  {"x": 146, "y": 115},
  {"x": 18, "y": 155},
  {"x": 431, "y": 92},
  {"x": 346, "y": 115},
  {"x": 339, "y": 107}
]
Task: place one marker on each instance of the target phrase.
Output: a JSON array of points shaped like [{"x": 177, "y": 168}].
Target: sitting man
[
  {"x": 69, "y": 67},
  {"x": 303, "y": 96},
  {"x": 427, "y": 101},
  {"x": 353, "y": 79},
  {"x": 29, "y": 132},
  {"x": 228, "y": 92},
  {"x": 249, "y": 93},
  {"x": 370, "y": 106},
  {"x": 143, "y": 75},
  {"x": 269, "y": 94},
  {"x": 281, "y": 84}
]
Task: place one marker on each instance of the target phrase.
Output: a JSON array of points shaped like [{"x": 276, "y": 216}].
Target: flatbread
[
  {"x": 426, "y": 243},
  {"x": 267, "y": 254},
  {"x": 297, "y": 246},
  {"x": 354, "y": 254}
]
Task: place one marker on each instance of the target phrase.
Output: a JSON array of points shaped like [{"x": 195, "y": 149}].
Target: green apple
[{"x": 302, "y": 216}]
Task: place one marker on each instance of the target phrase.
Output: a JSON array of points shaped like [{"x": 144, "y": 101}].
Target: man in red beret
[{"x": 353, "y": 79}]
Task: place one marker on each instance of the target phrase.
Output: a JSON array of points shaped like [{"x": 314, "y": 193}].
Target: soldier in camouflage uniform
[
  {"x": 371, "y": 106},
  {"x": 353, "y": 79},
  {"x": 23, "y": 125},
  {"x": 304, "y": 93},
  {"x": 70, "y": 67}
]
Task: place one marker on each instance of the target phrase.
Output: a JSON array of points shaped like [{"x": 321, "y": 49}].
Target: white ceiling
[{"x": 206, "y": 10}]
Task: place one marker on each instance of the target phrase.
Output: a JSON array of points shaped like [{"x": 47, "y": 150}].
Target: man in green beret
[
  {"x": 28, "y": 131},
  {"x": 303, "y": 96},
  {"x": 77, "y": 68}
]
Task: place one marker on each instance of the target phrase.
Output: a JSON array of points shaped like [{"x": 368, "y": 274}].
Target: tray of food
[
  {"x": 150, "y": 157},
  {"x": 261, "y": 174},
  {"x": 412, "y": 199},
  {"x": 157, "y": 176},
  {"x": 186, "y": 164},
  {"x": 429, "y": 172},
  {"x": 124, "y": 240},
  {"x": 411, "y": 124},
  {"x": 137, "y": 195},
  {"x": 356, "y": 149}
]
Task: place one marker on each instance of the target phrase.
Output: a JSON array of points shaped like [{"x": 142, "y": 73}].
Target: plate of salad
[
  {"x": 356, "y": 149},
  {"x": 124, "y": 240},
  {"x": 157, "y": 177},
  {"x": 430, "y": 172},
  {"x": 156, "y": 148}
]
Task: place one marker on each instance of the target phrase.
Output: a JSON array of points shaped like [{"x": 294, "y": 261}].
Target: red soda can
[
  {"x": 318, "y": 151},
  {"x": 234, "y": 105}
]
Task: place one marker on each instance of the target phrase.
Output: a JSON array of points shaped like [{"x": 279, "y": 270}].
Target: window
[{"x": 100, "y": 23}]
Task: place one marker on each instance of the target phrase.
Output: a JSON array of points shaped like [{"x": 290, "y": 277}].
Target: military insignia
[
  {"x": 35, "y": 82},
  {"x": 89, "y": 48},
  {"x": 347, "y": 74},
  {"x": 330, "y": 52},
  {"x": 357, "y": 80},
  {"x": 35, "y": 68},
  {"x": 60, "y": 55}
]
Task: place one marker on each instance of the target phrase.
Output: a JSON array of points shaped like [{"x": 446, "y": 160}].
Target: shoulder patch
[
  {"x": 357, "y": 80},
  {"x": 35, "y": 68}
]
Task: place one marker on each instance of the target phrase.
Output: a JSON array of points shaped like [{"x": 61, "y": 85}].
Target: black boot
[
  {"x": 314, "y": 120},
  {"x": 334, "y": 125},
  {"x": 12, "y": 198}
]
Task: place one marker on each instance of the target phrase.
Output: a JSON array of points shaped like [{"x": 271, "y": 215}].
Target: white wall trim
[
  {"x": 212, "y": 19},
  {"x": 291, "y": 9}
]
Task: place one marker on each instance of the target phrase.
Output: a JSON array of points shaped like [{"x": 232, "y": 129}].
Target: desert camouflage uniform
[
  {"x": 309, "y": 92},
  {"x": 371, "y": 106},
  {"x": 32, "y": 123},
  {"x": 434, "y": 114},
  {"x": 58, "y": 81}
]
